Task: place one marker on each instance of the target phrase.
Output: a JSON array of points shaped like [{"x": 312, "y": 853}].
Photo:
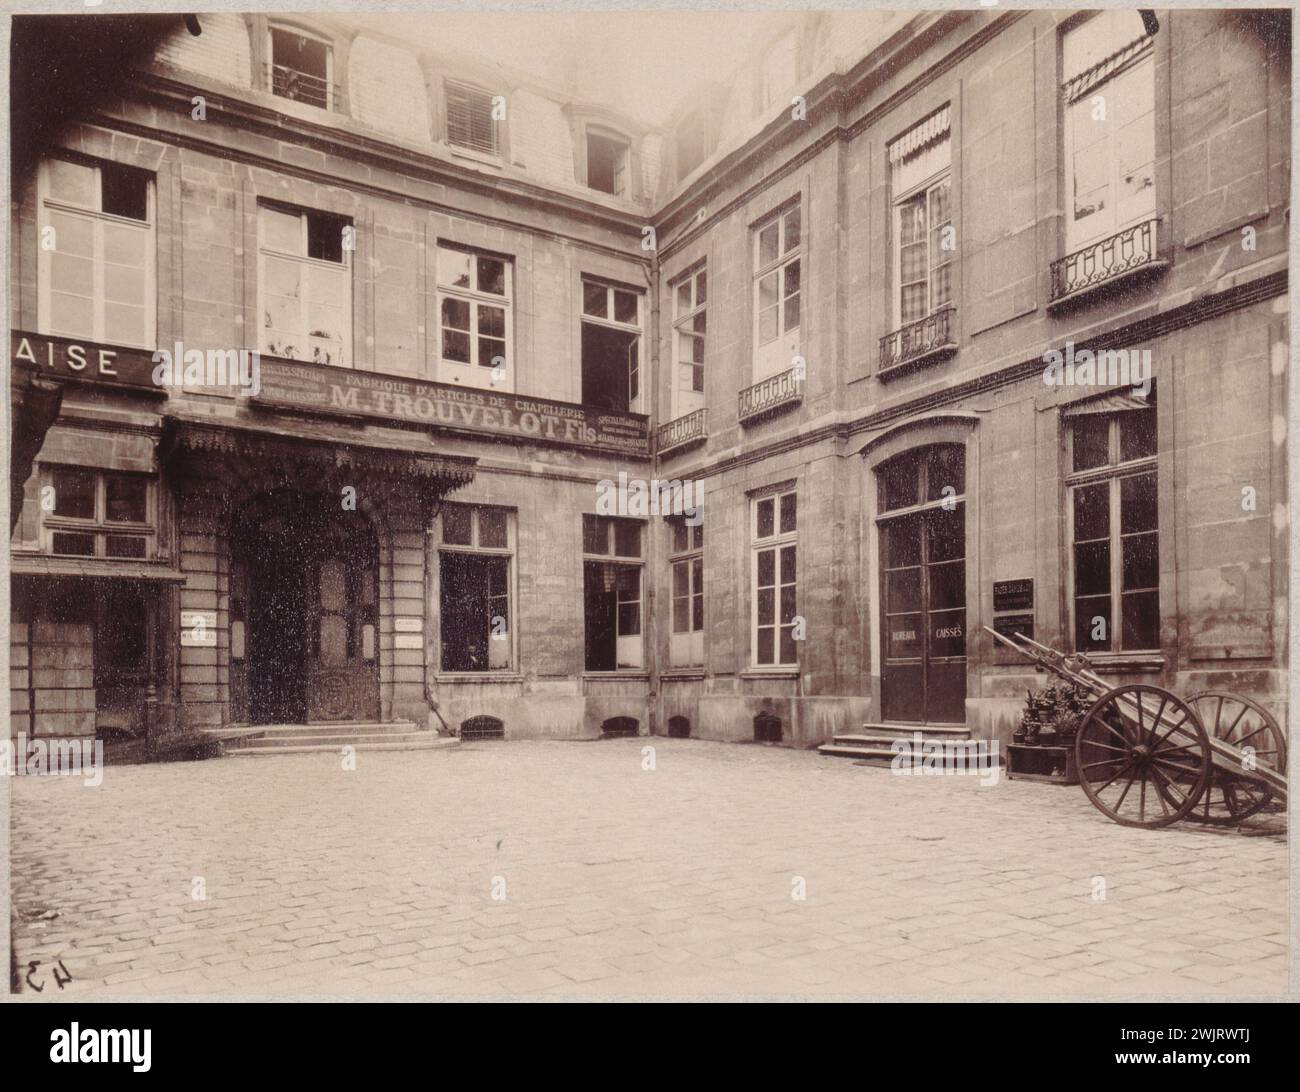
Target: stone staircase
[
  {"x": 874, "y": 744},
  {"x": 283, "y": 739}
]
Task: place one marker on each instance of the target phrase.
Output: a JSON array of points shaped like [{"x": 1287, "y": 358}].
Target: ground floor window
[
  {"x": 612, "y": 594},
  {"x": 1115, "y": 535},
  {"x": 474, "y": 588},
  {"x": 774, "y": 527},
  {"x": 686, "y": 640}
]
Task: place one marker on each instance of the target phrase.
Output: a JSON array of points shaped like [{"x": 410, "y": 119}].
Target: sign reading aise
[{"x": 499, "y": 416}]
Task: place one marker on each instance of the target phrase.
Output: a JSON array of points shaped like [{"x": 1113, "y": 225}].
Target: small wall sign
[
  {"x": 198, "y": 629},
  {"x": 1010, "y": 624},
  {"x": 1013, "y": 595}
]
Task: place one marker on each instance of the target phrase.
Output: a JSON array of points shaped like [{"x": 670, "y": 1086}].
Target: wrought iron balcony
[
  {"x": 774, "y": 394},
  {"x": 930, "y": 338},
  {"x": 289, "y": 83},
  {"x": 688, "y": 429},
  {"x": 1111, "y": 259}
]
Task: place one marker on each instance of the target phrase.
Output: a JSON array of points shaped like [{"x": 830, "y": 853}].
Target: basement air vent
[
  {"x": 482, "y": 728},
  {"x": 619, "y": 728},
  {"x": 679, "y": 728},
  {"x": 767, "y": 728}
]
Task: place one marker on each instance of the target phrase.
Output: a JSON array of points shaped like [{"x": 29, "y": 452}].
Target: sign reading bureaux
[{"x": 323, "y": 389}]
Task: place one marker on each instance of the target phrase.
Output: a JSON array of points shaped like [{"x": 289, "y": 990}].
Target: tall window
[
  {"x": 920, "y": 181},
  {"x": 474, "y": 558},
  {"x": 470, "y": 120},
  {"x": 302, "y": 67},
  {"x": 474, "y": 316},
  {"x": 686, "y": 557},
  {"x": 612, "y": 585},
  {"x": 97, "y": 513},
  {"x": 777, "y": 292},
  {"x": 1109, "y": 104},
  {"x": 96, "y": 253},
  {"x": 607, "y": 163},
  {"x": 611, "y": 346},
  {"x": 690, "y": 324},
  {"x": 305, "y": 285},
  {"x": 1115, "y": 531},
  {"x": 774, "y": 530}
]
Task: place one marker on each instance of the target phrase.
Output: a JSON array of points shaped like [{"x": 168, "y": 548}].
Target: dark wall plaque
[
  {"x": 1013, "y": 594},
  {"x": 1008, "y": 624}
]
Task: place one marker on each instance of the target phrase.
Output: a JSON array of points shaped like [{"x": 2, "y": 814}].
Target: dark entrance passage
[
  {"x": 304, "y": 596},
  {"x": 922, "y": 530}
]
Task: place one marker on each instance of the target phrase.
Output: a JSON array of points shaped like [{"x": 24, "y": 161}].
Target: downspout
[{"x": 652, "y": 279}]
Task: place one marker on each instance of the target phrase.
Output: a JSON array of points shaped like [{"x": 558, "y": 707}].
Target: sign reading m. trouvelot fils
[{"x": 322, "y": 389}]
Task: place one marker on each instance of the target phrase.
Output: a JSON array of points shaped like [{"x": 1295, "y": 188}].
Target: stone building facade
[{"x": 824, "y": 295}]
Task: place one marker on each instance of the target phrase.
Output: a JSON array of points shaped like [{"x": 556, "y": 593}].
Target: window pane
[
  {"x": 125, "y": 191},
  {"x": 491, "y": 321},
  {"x": 947, "y": 467},
  {"x": 74, "y": 493},
  {"x": 453, "y": 267},
  {"x": 627, "y": 538},
  {"x": 682, "y": 579},
  {"x": 1141, "y": 561},
  {"x": 766, "y": 572},
  {"x": 698, "y": 534},
  {"x": 1092, "y": 624},
  {"x": 1137, "y": 504},
  {"x": 681, "y": 614},
  {"x": 594, "y": 299},
  {"x": 595, "y": 534},
  {"x": 766, "y": 644},
  {"x": 629, "y": 619},
  {"x": 768, "y": 243},
  {"x": 1092, "y": 512},
  {"x": 789, "y": 512},
  {"x": 625, "y": 306},
  {"x": 76, "y": 544},
  {"x": 788, "y": 653},
  {"x": 281, "y": 230},
  {"x": 125, "y": 546},
  {"x": 680, "y": 538},
  {"x": 72, "y": 183},
  {"x": 325, "y": 237},
  {"x": 1092, "y": 568},
  {"x": 456, "y": 525},
  {"x": 792, "y": 313},
  {"x": 1091, "y": 441},
  {"x": 947, "y": 533},
  {"x": 903, "y": 543},
  {"x": 492, "y": 276},
  {"x": 766, "y": 606},
  {"x": 787, "y": 564},
  {"x": 766, "y": 517},
  {"x": 792, "y": 226},
  {"x": 126, "y": 498},
  {"x": 701, "y": 289},
  {"x": 947, "y": 585},
  {"x": 492, "y": 528},
  {"x": 683, "y": 297},
  {"x": 903, "y": 590},
  {"x": 787, "y": 604},
  {"x": 899, "y": 483},
  {"x": 1141, "y": 620},
  {"x": 1137, "y": 434}
]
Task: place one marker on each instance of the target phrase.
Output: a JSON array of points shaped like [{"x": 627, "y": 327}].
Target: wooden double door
[{"x": 304, "y": 607}]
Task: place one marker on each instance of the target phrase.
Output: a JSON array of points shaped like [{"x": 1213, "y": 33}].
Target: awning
[
  {"x": 919, "y": 136},
  {"x": 1124, "y": 398},
  {"x": 96, "y": 568}
]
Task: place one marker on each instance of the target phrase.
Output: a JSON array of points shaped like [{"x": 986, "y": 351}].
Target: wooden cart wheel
[
  {"x": 1142, "y": 756},
  {"x": 1245, "y": 724}
]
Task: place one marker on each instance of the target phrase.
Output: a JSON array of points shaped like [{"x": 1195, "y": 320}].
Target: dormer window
[
  {"x": 471, "y": 121},
  {"x": 302, "y": 67},
  {"x": 607, "y": 159}
]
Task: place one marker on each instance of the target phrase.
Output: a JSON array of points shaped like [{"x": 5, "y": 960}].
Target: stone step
[
  {"x": 417, "y": 741},
  {"x": 875, "y": 742},
  {"x": 333, "y": 727}
]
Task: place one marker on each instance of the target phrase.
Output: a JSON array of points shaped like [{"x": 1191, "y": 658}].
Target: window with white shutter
[{"x": 470, "y": 123}]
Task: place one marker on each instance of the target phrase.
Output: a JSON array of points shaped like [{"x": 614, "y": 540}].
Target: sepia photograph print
[{"x": 663, "y": 504}]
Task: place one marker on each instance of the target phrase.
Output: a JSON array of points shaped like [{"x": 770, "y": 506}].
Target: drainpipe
[{"x": 652, "y": 628}]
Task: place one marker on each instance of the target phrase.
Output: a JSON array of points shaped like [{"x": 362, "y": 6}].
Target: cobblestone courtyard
[{"x": 622, "y": 881}]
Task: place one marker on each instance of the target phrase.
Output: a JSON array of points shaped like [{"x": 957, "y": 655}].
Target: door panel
[
  {"x": 923, "y": 576},
  {"x": 342, "y": 668}
]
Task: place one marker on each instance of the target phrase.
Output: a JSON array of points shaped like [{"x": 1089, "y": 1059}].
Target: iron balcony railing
[
  {"x": 927, "y": 338},
  {"x": 774, "y": 394},
  {"x": 1128, "y": 250},
  {"x": 289, "y": 83},
  {"x": 690, "y": 428}
]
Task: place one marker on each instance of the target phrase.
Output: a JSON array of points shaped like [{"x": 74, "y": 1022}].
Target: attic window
[
  {"x": 470, "y": 123},
  {"x": 302, "y": 67},
  {"x": 607, "y": 164}
]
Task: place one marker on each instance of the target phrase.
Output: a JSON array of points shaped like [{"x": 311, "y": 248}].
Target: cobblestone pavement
[{"x": 622, "y": 881}]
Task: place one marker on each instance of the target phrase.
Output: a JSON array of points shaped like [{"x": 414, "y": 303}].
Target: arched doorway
[
  {"x": 304, "y": 612},
  {"x": 921, "y": 521}
]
